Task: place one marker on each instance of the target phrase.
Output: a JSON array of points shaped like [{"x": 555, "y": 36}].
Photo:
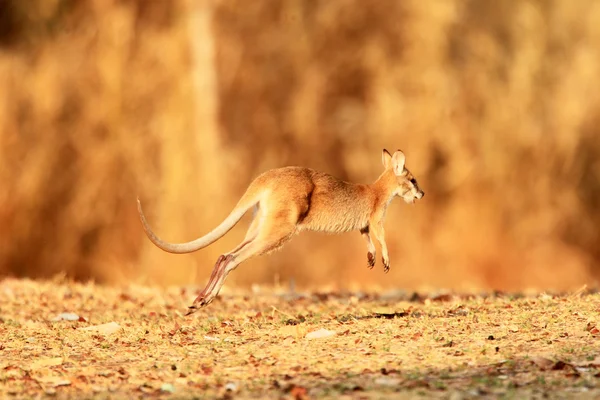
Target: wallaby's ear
[
  {"x": 386, "y": 159},
  {"x": 398, "y": 160}
]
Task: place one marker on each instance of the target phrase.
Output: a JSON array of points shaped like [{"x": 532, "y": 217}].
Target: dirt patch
[{"x": 87, "y": 341}]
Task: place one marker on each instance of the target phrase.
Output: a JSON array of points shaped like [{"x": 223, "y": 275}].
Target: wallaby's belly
[
  {"x": 323, "y": 202},
  {"x": 336, "y": 207},
  {"x": 339, "y": 220}
]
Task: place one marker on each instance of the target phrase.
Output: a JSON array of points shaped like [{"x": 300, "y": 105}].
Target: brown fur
[{"x": 293, "y": 199}]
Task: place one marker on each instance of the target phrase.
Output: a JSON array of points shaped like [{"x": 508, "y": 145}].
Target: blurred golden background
[{"x": 496, "y": 105}]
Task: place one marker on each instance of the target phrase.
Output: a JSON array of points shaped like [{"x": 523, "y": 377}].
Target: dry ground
[{"x": 255, "y": 346}]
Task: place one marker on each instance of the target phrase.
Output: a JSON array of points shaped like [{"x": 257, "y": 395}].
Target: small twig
[
  {"x": 281, "y": 312},
  {"x": 579, "y": 291}
]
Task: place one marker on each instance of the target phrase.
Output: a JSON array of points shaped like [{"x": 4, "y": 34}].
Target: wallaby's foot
[
  {"x": 201, "y": 301},
  {"x": 191, "y": 310},
  {"x": 198, "y": 304},
  {"x": 386, "y": 265},
  {"x": 213, "y": 286},
  {"x": 370, "y": 260}
]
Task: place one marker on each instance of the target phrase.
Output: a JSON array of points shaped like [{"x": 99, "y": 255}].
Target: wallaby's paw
[
  {"x": 196, "y": 306},
  {"x": 200, "y": 302},
  {"x": 386, "y": 265},
  {"x": 371, "y": 260},
  {"x": 191, "y": 310}
]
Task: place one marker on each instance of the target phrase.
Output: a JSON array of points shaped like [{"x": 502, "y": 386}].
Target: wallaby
[{"x": 293, "y": 199}]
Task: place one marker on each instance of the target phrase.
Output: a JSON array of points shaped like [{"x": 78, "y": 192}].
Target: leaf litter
[{"x": 136, "y": 342}]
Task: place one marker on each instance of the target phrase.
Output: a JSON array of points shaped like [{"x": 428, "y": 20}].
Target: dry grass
[
  {"x": 182, "y": 103},
  {"x": 385, "y": 345}
]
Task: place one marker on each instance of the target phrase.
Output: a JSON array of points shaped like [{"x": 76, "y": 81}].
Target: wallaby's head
[{"x": 407, "y": 186}]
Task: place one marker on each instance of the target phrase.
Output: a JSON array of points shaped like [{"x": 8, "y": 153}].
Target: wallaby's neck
[{"x": 384, "y": 186}]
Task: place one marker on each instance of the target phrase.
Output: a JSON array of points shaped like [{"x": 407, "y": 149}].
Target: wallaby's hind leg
[
  {"x": 252, "y": 232},
  {"x": 271, "y": 235},
  {"x": 250, "y": 235}
]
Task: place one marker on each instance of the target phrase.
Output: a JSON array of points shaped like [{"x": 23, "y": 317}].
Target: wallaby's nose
[{"x": 421, "y": 194}]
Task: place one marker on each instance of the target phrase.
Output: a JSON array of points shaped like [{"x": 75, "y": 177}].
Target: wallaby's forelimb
[
  {"x": 371, "y": 252},
  {"x": 379, "y": 233}
]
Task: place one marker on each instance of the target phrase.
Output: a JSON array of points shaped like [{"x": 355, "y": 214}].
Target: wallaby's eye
[{"x": 413, "y": 181}]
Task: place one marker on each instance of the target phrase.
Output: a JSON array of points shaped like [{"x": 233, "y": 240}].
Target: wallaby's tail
[{"x": 180, "y": 248}]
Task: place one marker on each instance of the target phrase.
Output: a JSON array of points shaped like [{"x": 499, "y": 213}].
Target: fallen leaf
[
  {"x": 288, "y": 340},
  {"x": 442, "y": 297},
  {"x": 543, "y": 363},
  {"x": 68, "y": 317},
  {"x": 595, "y": 363},
  {"x": 54, "y": 381},
  {"x": 298, "y": 392},
  {"x": 167, "y": 387},
  {"x": 45, "y": 363},
  {"x": 146, "y": 388},
  {"x": 386, "y": 381},
  {"x": 385, "y": 371},
  {"x": 459, "y": 311},
  {"x": 590, "y": 325},
  {"x": 206, "y": 370},
  {"x": 231, "y": 387},
  {"x": 559, "y": 365},
  {"x": 384, "y": 311},
  {"x": 320, "y": 334},
  {"x": 418, "y": 383},
  {"x": 126, "y": 297},
  {"x": 175, "y": 329},
  {"x": 296, "y": 331},
  {"x": 106, "y": 329}
]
